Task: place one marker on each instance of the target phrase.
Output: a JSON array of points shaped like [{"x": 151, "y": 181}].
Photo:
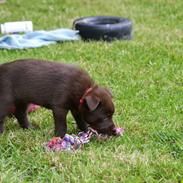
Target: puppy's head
[{"x": 97, "y": 110}]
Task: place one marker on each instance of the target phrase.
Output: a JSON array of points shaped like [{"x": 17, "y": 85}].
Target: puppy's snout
[
  {"x": 114, "y": 130},
  {"x": 109, "y": 131}
]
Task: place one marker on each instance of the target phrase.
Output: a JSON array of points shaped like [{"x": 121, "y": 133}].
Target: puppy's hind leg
[
  {"x": 3, "y": 113},
  {"x": 21, "y": 115},
  {"x": 2, "y": 117}
]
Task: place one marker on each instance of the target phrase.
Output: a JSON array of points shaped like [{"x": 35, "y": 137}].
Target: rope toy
[{"x": 74, "y": 142}]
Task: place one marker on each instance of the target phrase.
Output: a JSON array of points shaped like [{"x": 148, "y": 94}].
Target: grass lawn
[{"x": 145, "y": 75}]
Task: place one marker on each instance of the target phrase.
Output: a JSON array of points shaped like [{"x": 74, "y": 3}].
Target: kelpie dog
[{"x": 56, "y": 86}]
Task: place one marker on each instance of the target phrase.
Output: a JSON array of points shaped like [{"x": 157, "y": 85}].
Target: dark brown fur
[{"x": 58, "y": 87}]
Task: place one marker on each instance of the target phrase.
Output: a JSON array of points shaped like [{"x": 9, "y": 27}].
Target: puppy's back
[{"x": 38, "y": 80}]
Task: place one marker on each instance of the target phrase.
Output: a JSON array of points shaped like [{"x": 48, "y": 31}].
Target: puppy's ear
[{"x": 92, "y": 102}]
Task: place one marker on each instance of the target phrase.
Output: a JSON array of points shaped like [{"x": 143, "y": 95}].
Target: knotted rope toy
[{"x": 74, "y": 142}]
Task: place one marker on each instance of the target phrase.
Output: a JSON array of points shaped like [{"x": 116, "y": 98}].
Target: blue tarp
[{"x": 37, "y": 39}]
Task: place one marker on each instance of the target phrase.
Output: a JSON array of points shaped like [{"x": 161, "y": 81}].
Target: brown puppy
[{"x": 56, "y": 86}]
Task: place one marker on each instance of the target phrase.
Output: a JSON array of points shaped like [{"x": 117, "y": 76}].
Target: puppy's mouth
[{"x": 105, "y": 131}]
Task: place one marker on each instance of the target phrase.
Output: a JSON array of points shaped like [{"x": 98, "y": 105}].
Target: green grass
[{"x": 145, "y": 75}]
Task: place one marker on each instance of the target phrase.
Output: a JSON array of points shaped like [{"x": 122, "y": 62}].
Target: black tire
[{"x": 107, "y": 28}]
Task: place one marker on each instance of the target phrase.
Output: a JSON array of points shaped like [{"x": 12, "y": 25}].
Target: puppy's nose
[
  {"x": 112, "y": 127},
  {"x": 114, "y": 131}
]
